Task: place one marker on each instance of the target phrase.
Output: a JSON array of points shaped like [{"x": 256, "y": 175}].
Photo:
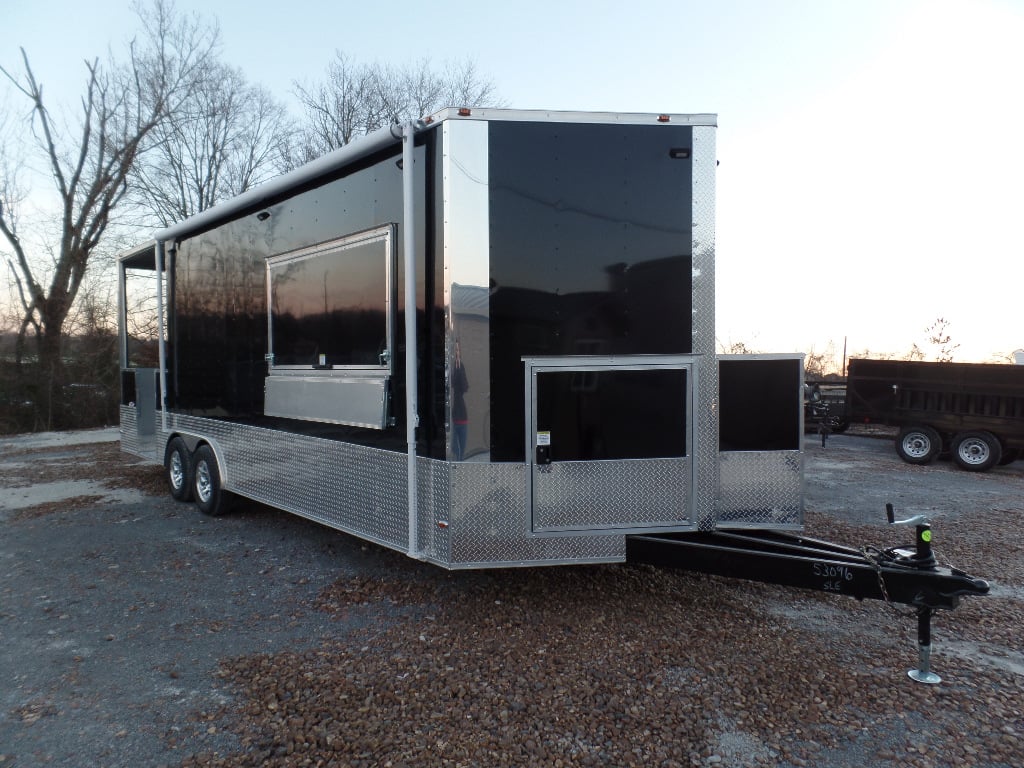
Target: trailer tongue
[{"x": 898, "y": 575}]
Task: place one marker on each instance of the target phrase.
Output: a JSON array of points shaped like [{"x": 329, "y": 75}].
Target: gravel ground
[{"x": 135, "y": 632}]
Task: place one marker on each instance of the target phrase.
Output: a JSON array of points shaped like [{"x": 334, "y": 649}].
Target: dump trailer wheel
[
  {"x": 918, "y": 445},
  {"x": 838, "y": 424},
  {"x": 977, "y": 451},
  {"x": 178, "y": 465},
  {"x": 209, "y": 496}
]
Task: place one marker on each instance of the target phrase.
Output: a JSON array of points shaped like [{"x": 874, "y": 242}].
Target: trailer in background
[
  {"x": 825, "y": 406},
  {"x": 974, "y": 411}
]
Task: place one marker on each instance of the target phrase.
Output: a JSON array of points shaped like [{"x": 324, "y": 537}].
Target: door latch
[{"x": 543, "y": 455}]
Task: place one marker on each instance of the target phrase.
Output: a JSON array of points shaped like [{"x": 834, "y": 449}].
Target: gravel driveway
[{"x": 135, "y": 632}]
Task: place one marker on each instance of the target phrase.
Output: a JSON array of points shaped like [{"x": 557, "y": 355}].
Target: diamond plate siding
[
  {"x": 489, "y": 523},
  {"x": 354, "y": 489},
  {"x": 362, "y": 491},
  {"x": 609, "y": 494},
  {"x": 763, "y": 489},
  {"x": 433, "y": 489},
  {"x": 145, "y": 446},
  {"x": 349, "y": 487},
  {"x": 704, "y": 159},
  {"x": 129, "y": 432}
]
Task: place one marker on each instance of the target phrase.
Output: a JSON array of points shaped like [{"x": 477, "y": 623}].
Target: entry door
[{"x": 611, "y": 443}]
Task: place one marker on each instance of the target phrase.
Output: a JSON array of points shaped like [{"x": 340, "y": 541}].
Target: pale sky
[{"x": 871, "y": 172}]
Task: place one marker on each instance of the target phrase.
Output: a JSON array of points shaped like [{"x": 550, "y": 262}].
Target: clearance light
[
  {"x": 663, "y": 118},
  {"x": 464, "y": 112}
]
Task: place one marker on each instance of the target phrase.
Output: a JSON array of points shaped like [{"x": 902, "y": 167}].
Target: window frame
[{"x": 386, "y": 234}]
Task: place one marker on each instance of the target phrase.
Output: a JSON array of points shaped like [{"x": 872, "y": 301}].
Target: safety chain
[{"x": 873, "y": 555}]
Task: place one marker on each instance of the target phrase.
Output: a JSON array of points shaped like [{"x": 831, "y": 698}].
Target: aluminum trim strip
[
  {"x": 570, "y": 116},
  {"x": 703, "y": 302}
]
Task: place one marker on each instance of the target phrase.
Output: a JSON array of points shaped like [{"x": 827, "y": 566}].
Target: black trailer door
[{"x": 612, "y": 443}]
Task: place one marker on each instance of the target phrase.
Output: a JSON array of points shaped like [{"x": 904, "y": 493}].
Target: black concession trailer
[
  {"x": 560, "y": 390},
  {"x": 485, "y": 338},
  {"x": 973, "y": 411}
]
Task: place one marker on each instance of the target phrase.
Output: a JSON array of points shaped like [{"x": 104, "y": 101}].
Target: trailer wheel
[
  {"x": 209, "y": 496},
  {"x": 918, "y": 445},
  {"x": 976, "y": 451},
  {"x": 178, "y": 465}
]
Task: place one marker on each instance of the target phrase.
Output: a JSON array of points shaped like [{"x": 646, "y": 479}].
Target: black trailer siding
[
  {"x": 949, "y": 397},
  {"x": 218, "y": 318},
  {"x": 590, "y": 251}
]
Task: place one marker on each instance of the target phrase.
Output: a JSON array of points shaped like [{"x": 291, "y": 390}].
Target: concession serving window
[{"x": 330, "y": 316}]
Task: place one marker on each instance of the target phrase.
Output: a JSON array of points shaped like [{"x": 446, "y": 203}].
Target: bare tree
[
  {"x": 820, "y": 365},
  {"x": 735, "y": 348},
  {"x": 228, "y": 136},
  {"x": 340, "y": 108},
  {"x": 463, "y": 86},
  {"x": 89, "y": 160},
  {"x": 915, "y": 353},
  {"x": 355, "y": 98},
  {"x": 939, "y": 337}
]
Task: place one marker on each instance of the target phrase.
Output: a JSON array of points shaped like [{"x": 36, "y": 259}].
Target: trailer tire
[
  {"x": 210, "y": 497},
  {"x": 977, "y": 451},
  {"x": 918, "y": 445},
  {"x": 178, "y": 465}
]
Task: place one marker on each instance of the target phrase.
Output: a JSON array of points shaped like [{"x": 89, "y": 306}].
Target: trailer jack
[{"x": 898, "y": 575}]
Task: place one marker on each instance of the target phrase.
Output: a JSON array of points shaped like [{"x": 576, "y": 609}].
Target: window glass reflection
[
  {"x": 140, "y": 317},
  {"x": 331, "y": 309},
  {"x": 590, "y": 251},
  {"x": 613, "y": 414}
]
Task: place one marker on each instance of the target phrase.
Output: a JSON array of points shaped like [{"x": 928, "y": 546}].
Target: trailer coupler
[{"x": 898, "y": 575}]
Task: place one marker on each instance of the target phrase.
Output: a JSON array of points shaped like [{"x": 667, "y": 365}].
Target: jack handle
[
  {"x": 915, "y": 520},
  {"x": 923, "y": 558}
]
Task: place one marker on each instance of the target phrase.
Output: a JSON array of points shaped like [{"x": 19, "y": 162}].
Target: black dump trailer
[{"x": 973, "y": 411}]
